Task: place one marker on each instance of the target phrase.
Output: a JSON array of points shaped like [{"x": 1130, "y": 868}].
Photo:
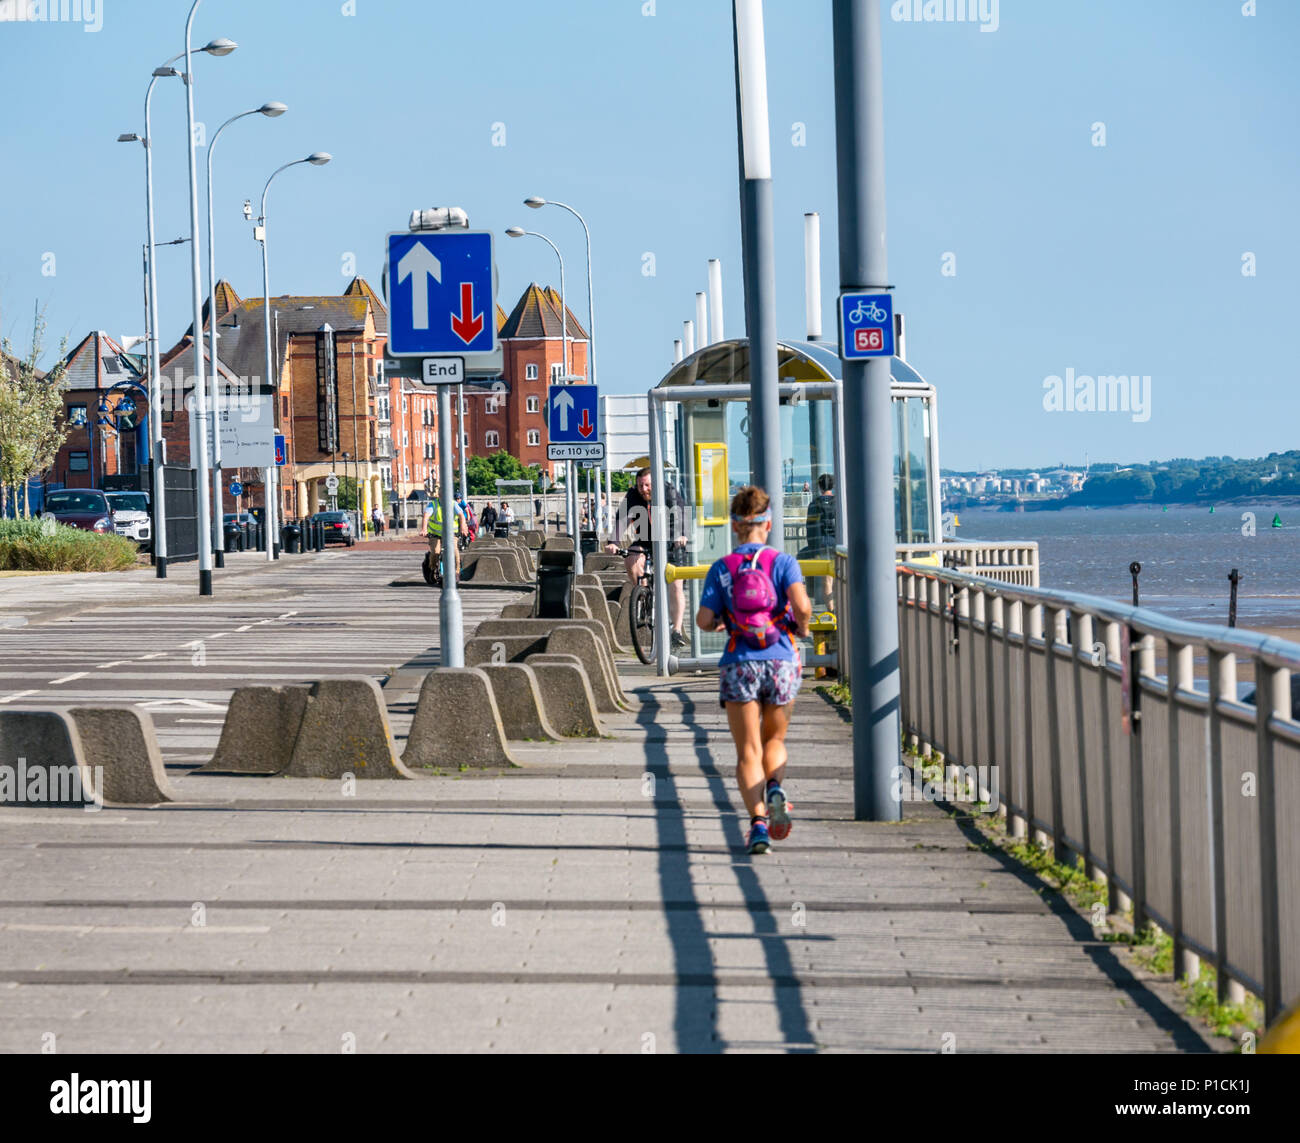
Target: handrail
[
  {"x": 674, "y": 572},
  {"x": 1229, "y": 640}
]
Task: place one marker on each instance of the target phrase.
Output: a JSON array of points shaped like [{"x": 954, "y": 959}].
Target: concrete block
[
  {"x": 519, "y": 701},
  {"x": 566, "y": 695},
  {"x": 456, "y": 723},
  {"x": 619, "y": 611},
  {"x": 524, "y": 609},
  {"x": 581, "y": 641},
  {"x": 489, "y": 568},
  {"x": 558, "y": 544},
  {"x": 502, "y": 563},
  {"x": 345, "y": 730},
  {"x": 598, "y": 607},
  {"x": 480, "y": 651},
  {"x": 260, "y": 729},
  {"x": 534, "y": 538},
  {"x": 602, "y": 561},
  {"x": 43, "y": 760},
  {"x": 120, "y": 744}
]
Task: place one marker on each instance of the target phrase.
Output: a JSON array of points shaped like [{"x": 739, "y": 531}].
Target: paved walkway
[{"x": 595, "y": 900}]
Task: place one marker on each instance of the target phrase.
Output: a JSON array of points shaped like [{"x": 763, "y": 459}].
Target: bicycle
[
  {"x": 641, "y": 608},
  {"x": 431, "y": 569},
  {"x": 861, "y": 313}
]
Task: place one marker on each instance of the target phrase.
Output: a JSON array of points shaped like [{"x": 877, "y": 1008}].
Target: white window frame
[
  {"x": 557, "y": 373},
  {"x": 492, "y": 440},
  {"x": 530, "y": 371},
  {"x": 534, "y": 404},
  {"x": 534, "y": 436}
]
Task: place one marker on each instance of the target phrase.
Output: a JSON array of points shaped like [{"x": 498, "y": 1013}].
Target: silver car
[{"x": 131, "y": 514}]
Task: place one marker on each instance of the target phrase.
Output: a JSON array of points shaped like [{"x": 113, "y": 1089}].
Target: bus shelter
[{"x": 699, "y": 425}]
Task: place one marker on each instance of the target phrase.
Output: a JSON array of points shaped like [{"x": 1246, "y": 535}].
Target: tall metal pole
[
  {"x": 715, "y": 299},
  {"x": 196, "y": 290},
  {"x": 460, "y": 444},
  {"x": 450, "y": 624},
  {"x": 868, "y": 483},
  {"x": 758, "y": 244},
  {"x": 155, "y": 361}
]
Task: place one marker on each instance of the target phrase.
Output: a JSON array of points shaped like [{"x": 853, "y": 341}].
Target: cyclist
[
  {"x": 757, "y": 595},
  {"x": 434, "y": 530},
  {"x": 632, "y": 522}
]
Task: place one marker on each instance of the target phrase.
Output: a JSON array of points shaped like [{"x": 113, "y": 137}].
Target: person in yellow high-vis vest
[{"x": 434, "y": 529}]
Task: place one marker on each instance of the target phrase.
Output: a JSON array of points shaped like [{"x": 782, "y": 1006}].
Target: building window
[
  {"x": 78, "y": 461},
  {"x": 77, "y": 416},
  {"x": 490, "y": 405},
  {"x": 403, "y": 404},
  {"x": 534, "y": 436},
  {"x": 530, "y": 372},
  {"x": 492, "y": 440},
  {"x": 406, "y": 438},
  {"x": 557, "y": 374},
  {"x": 534, "y": 404}
]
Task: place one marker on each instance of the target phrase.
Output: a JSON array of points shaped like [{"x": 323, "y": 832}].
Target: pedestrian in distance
[
  {"x": 757, "y": 596},
  {"x": 487, "y": 519}
]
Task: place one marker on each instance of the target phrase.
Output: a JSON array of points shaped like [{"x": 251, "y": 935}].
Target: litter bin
[
  {"x": 290, "y": 534},
  {"x": 233, "y": 536},
  {"x": 554, "y": 585},
  {"x": 590, "y": 542}
]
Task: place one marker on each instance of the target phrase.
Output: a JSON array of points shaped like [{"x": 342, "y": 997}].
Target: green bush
[{"x": 44, "y": 545}]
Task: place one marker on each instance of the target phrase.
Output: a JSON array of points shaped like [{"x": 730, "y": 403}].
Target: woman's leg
[
  {"x": 775, "y": 722},
  {"x": 745, "y": 721}
]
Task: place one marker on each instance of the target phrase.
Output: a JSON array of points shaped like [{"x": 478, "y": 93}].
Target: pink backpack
[{"x": 754, "y": 614}]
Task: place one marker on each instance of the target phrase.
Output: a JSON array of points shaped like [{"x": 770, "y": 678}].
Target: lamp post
[
  {"x": 218, "y": 48},
  {"x": 316, "y": 159},
  {"x": 271, "y": 111},
  {"x": 536, "y": 203},
  {"x": 570, "y": 491},
  {"x": 196, "y": 292}
]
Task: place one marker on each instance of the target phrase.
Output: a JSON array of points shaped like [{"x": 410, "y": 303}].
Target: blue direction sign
[
  {"x": 866, "y": 326},
  {"x": 236, "y": 489},
  {"x": 279, "y": 450},
  {"x": 572, "y": 414},
  {"x": 440, "y": 293}
]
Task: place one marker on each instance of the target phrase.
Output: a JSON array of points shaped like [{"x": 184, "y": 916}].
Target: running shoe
[
  {"x": 678, "y": 641},
  {"x": 758, "y": 840},
  {"x": 778, "y": 809}
]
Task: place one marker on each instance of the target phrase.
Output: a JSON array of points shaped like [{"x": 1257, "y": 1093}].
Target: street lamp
[
  {"x": 271, "y": 110},
  {"x": 570, "y": 492},
  {"x": 316, "y": 159},
  {"x": 221, "y": 47},
  {"x": 536, "y": 203}
]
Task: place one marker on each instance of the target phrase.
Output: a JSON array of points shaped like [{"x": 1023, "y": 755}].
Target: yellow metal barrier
[{"x": 672, "y": 572}]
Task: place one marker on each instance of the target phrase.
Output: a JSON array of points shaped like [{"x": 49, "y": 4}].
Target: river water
[{"x": 1186, "y": 555}]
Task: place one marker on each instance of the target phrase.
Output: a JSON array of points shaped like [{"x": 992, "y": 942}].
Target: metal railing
[
  {"x": 1184, "y": 799},
  {"x": 1007, "y": 562}
]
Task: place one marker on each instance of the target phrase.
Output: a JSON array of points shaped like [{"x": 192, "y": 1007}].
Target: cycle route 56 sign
[
  {"x": 441, "y": 294},
  {"x": 866, "y": 326}
]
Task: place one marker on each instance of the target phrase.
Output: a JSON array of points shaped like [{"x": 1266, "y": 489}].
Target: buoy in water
[
  {"x": 1277, "y": 519},
  {"x": 956, "y": 521},
  {"x": 1211, "y": 511}
]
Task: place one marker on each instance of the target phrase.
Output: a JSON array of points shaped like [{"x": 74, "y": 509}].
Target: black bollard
[
  {"x": 1234, "y": 577},
  {"x": 1135, "y": 570}
]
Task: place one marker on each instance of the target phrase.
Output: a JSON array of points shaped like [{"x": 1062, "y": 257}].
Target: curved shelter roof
[{"x": 727, "y": 363}]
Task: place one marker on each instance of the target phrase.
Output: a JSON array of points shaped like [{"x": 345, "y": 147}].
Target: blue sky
[{"x": 1123, "y": 259}]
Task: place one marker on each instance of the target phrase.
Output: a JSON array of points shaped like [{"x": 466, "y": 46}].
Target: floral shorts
[{"x": 773, "y": 682}]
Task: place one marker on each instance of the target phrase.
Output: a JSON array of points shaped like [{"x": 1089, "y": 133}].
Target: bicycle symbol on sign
[{"x": 864, "y": 311}]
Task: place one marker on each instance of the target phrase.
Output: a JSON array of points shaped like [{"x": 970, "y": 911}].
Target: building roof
[
  {"x": 537, "y": 315},
  {"x": 227, "y": 300},
  {"x": 98, "y": 362},
  {"x": 359, "y": 287},
  {"x": 14, "y": 363}
]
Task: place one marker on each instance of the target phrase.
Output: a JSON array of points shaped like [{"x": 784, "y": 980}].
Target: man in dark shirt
[{"x": 632, "y": 524}]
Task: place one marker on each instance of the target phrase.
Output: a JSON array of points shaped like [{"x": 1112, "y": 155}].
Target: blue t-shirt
[{"x": 785, "y": 573}]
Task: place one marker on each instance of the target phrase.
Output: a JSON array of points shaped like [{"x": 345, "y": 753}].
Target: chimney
[
  {"x": 702, "y": 318},
  {"x": 812, "y": 274},
  {"x": 715, "y": 298},
  {"x": 688, "y": 337}
]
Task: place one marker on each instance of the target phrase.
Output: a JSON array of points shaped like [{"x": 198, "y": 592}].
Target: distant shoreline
[{"x": 1144, "y": 505}]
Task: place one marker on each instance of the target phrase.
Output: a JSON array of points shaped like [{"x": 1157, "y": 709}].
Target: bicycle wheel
[{"x": 641, "y": 618}]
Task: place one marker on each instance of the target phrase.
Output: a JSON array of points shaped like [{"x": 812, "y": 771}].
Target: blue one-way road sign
[
  {"x": 440, "y": 293},
  {"x": 572, "y": 413},
  {"x": 866, "y": 326}
]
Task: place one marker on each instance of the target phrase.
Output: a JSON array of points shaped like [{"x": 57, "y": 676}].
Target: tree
[
  {"x": 32, "y": 423},
  {"x": 482, "y": 472}
]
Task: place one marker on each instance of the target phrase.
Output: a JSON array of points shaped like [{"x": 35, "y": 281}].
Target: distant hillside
[{"x": 1186, "y": 481}]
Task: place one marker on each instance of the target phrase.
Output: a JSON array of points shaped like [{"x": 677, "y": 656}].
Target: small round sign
[
  {"x": 236, "y": 489},
  {"x": 332, "y": 483}
]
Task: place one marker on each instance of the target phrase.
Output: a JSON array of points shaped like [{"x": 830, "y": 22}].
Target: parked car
[
  {"x": 84, "y": 508},
  {"x": 338, "y": 527},
  {"x": 131, "y": 515}
]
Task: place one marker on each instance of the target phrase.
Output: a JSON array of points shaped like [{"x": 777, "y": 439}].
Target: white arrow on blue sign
[
  {"x": 573, "y": 413},
  {"x": 441, "y": 293},
  {"x": 866, "y": 326}
]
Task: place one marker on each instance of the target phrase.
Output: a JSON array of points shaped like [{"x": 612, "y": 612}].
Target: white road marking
[
  {"x": 69, "y": 678},
  {"x": 18, "y": 695},
  {"x": 84, "y": 930},
  {"x": 118, "y": 663}
]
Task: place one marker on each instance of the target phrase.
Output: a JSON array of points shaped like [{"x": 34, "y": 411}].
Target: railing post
[
  {"x": 1082, "y": 645},
  {"x": 912, "y": 685},
  {"x": 1223, "y": 684},
  {"x": 993, "y": 617},
  {"x": 1182, "y": 678},
  {"x": 960, "y": 611},
  {"x": 934, "y": 634},
  {"x": 1272, "y": 698},
  {"x": 1016, "y": 824},
  {"x": 1054, "y": 630},
  {"x": 1033, "y": 630}
]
